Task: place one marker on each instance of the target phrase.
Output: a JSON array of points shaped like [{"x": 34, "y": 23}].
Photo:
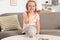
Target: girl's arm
[
  {"x": 38, "y": 24},
  {"x": 24, "y": 21}
]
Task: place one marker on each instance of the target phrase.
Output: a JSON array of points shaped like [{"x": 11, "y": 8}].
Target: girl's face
[{"x": 31, "y": 6}]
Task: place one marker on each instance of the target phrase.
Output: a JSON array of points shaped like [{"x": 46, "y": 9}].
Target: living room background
[{"x": 5, "y": 6}]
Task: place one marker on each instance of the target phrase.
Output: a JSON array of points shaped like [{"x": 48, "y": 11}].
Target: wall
[
  {"x": 43, "y": 1},
  {"x": 5, "y": 6},
  {"x": 56, "y": 8}
]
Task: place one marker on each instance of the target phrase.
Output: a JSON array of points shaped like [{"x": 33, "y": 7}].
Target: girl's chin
[{"x": 31, "y": 11}]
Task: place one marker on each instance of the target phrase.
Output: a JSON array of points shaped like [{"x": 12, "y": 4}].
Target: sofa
[{"x": 49, "y": 24}]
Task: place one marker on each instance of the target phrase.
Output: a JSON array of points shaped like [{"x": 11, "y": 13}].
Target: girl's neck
[{"x": 32, "y": 13}]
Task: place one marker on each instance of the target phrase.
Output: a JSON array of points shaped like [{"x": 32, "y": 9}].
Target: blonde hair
[
  {"x": 27, "y": 8},
  {"x": 35, "y": 5}
]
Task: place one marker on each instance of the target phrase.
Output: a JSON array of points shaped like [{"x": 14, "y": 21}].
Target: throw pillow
[{"x": 9, "y": 22}]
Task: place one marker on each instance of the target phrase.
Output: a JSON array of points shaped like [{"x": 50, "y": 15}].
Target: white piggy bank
[{"x": 30, "y": 30}]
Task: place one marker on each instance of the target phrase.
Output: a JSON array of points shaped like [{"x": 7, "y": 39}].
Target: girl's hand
[{"x": 37, "y": 33}]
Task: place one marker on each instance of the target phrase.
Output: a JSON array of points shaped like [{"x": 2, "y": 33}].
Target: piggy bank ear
[{"x": 30, "y": 31}]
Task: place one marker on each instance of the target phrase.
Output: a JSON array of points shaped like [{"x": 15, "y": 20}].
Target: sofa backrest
[
  {"x": 47, "y": 20},
  {"x": 20, "y": 17},
  {"x": 50, "y": 20}
]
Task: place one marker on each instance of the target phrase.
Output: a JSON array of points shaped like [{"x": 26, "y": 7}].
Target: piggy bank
[{"x": 30, "y": 31}]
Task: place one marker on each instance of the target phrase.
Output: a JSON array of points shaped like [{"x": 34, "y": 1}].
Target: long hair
[{"x": 27, "y": 8}]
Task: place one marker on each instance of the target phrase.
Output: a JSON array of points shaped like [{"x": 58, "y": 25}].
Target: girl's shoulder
[
  {"x": 24, "y": 14},
  {"x": 37, "y": 14}
]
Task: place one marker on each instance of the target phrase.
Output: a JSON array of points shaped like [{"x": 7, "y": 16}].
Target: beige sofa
[{"x": 50, "y": 24}]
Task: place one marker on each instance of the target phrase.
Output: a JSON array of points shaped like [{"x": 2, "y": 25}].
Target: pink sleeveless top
[{"x": 32, "y": 20}]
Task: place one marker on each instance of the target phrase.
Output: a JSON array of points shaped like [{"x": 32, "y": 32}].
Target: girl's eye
[
  {"x": 33, "y": 6},
  {"x": 29, "y": 5}
]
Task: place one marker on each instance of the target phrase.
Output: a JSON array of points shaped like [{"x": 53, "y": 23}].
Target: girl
[{"x": 30, "y": 17}]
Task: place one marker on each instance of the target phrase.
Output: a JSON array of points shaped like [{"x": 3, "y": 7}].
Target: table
[{"x": 24, "y": 37}]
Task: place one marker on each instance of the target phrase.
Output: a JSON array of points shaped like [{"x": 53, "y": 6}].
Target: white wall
[
  {"x": 5, "y": 6},
  {"x": 43, "y": 1},
  {"x": 56, "y": 8}
]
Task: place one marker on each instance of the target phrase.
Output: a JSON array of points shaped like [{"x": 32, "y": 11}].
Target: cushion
[{"x": 9, "y": 22}]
